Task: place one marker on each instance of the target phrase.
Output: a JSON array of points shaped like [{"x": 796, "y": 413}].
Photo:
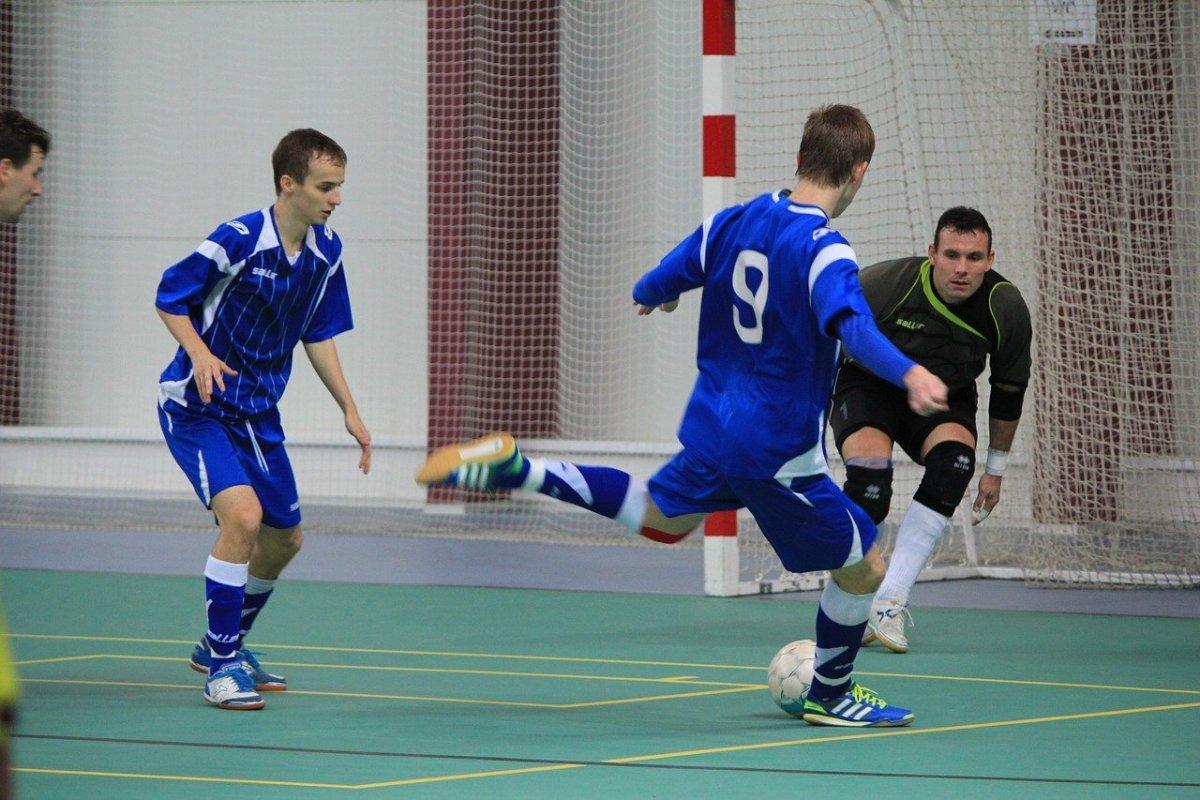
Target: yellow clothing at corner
[{"x": 8, "y": 673}]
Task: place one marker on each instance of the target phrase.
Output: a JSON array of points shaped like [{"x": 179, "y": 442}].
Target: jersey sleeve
[
  {"x": 332, "y": 313},
  {"x": 680, "y": 270},
  {"x": 186, "y": 283},
  {"x": 1011, "y": 362},
  {"x": 833, "y": 287}
]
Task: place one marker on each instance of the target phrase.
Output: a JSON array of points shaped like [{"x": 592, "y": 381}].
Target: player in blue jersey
[
  {"x": 238, "y": 305},
  {"x": 780, "y": 290},
  {"x": 24, "y": 146}
]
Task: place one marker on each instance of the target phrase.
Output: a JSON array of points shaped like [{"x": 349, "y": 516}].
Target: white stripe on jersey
[
  {"x": 856, "y": 553},
  {"x": 812, "y": 212},
  {"x": 704, "y": 241},
  {"x": 214, "y": 299},
  {"x": 320, "y": 296},
  {"x": 267, "y": 238},
  {"x": 174, "y": 390},
  {"x": 216, "y": 254},
  {"x": 827, "y": 255},
  {"x": 810, "y": 462}
]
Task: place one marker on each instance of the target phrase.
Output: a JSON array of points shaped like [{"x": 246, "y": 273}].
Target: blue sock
[
  {"x": 609, "y": 492},
  {"x": 841, "y": 619},
  {"x": 224, "y": 590},
  {"x": 258, "y": 591}
]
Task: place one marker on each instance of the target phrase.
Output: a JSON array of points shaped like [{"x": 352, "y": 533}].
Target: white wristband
[{"x": 997, "y": 460}]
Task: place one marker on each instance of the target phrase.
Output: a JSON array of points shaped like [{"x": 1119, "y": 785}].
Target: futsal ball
[{"x": 790, "y": 675}]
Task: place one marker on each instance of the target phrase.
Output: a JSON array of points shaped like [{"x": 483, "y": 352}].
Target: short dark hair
[
  {"x": 297, "y": 148},
  {"x": 19, "y": 135},
  {"x": 836, "y": 138},
  {"x": 963, "y": 220}
]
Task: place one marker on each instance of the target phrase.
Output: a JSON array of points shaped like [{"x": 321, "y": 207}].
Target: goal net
[{"x": 513, "y": 168}]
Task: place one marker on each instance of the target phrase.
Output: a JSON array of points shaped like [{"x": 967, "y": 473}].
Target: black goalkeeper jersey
[{"x": 952, "y": 342}]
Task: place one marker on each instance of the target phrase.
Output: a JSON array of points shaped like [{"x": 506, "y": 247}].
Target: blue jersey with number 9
[{"x": 776, "y": 280}]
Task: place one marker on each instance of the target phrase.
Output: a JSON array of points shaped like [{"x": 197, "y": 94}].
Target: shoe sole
[
  {"x": 835, "y": 722},
  {"x": 868, "y": 636},
  {"x": 494, "y": 448},
  {"x": 258, "y": 687},
  {"x": 236, "y": 706},
  {"x": 895, "y": 647}
]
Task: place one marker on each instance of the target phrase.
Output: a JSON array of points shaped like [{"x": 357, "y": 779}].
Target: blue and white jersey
[
  {"x": 251, "y": 305},
  {"x": 776, "y": 280}
]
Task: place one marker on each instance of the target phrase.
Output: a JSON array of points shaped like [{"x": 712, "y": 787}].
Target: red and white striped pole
[{"x": 721, "y": 565}]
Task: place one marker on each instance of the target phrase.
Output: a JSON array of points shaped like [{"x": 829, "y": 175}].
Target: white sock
[
  {"x": 919, "y": 533},
  {"x": 537, "y": 475}
]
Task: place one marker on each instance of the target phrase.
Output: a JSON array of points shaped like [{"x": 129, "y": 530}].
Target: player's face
[
  {"x": 19, "y": 185},
  {"x": 321, "y": 192},
  {"x": 959, "y": 261}
]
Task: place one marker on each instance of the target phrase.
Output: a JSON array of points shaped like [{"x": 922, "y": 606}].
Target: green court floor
[{"x": 424, "y": 692}]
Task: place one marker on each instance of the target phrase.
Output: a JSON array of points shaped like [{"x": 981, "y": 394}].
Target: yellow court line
[
  {"x": 631, "y": 759},
  {"x": 582, "y": 660},
  {"x": 88, "y": 773},
  {"x": 59, "y": 660},
  {"x": 679, "y": 696},
  {"x": 459, "y": 671},
  {"x": 499, "y": 773},
  {"x": 1020, "y": 682},
  {"x": 903, "y": 732},
  {"x": 416, "y": 698}
]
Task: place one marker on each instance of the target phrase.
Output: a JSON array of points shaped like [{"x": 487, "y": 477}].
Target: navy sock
[
  {"x": 841, "y": 619},
  {"x": 599, "y": 489},
  {"x": 224, "y": 591},
  {"x": 258, "y": 591}
]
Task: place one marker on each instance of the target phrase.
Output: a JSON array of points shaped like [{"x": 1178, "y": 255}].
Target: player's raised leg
[
  {"x": 948, "y": 454},
  {"x": 495, "y": 462}
]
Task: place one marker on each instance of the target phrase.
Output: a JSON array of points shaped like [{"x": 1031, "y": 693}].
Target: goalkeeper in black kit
[{"x": 951, "y": 313}]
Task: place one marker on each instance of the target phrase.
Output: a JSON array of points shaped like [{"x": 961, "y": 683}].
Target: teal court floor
[{"x": 447, "y": 692}]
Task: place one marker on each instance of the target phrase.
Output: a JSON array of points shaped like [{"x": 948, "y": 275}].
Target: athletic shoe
[
  {"x": 231, "y": 687},
  {"x": 479, "y": 464},
  {"x": 857, "y": 708},
  {"x": 263, "y": 681},
  {"x": 887, "y": 621}
]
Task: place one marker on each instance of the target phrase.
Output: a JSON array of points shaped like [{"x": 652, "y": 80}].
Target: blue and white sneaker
[
  {"x": 263, "y": 681},
  {"x": 231, "y": 687},
  {"x": 482, "y": 464},
  {"x": 858, "y": 707}
]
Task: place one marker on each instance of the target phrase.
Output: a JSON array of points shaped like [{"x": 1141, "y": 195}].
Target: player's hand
[
  {"x": 356, "y": 428},
  {"x": 666, "y": 307},
  {"x": 988, "y": 497},
  {"x": 207, "y": 370},
  {"x": 926, "y": 392}
]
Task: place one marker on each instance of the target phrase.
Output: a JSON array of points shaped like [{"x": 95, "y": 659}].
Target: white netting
[
  {"x": 541, "y": 155},
  {"x": 513, "y": 169},
  {"x": 1083, "y": 157}
]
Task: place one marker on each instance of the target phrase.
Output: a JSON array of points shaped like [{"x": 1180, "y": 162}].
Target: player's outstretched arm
[
  {"x": 926, "y": 392},
  {"x": 328, "y": 367},
  {"x": 207, "y": 369},
  {"x": 666, "y": 307}
]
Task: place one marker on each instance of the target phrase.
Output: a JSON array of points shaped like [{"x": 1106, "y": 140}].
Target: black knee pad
[
  {"x": 871, "y": 488},
  {"x": 948, "y": 470}
]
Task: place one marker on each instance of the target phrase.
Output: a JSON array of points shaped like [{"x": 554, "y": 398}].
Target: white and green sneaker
[
  {"x": 485, "y": 464},
  {"x": 886, "y": 624}
]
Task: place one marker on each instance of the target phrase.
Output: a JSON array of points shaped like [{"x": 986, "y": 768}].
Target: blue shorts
[
  {"x": 215, "y": 456},
  {"x": 811, "y": 523}
]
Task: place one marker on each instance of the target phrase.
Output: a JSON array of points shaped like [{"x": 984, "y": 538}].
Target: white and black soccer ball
[{"x": 790, "y": 675}]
